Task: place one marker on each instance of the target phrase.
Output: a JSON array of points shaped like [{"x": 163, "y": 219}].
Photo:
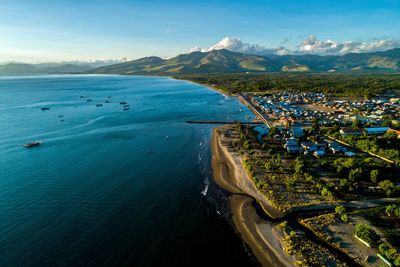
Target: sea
[{"x": 120, "y": 179}]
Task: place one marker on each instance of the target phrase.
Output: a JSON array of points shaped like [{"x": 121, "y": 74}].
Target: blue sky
[{"x": 88, "y": 29}]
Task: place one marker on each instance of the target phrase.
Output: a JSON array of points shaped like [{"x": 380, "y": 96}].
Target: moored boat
[{"x": 33, "y": 144}]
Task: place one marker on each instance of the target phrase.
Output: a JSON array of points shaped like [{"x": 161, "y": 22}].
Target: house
[
  {"x": 350, "y": 154},
  {"x": 319, "y": 153},
  {"x": 293, "y": 147},
  {"x": 376, "y": 130},
  {"x": 297, "y": 132},
  {"x": 351, "y": 131},
  {"x": 309, "y": 146}
]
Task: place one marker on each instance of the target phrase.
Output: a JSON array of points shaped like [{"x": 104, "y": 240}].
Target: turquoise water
[{"x": 110, "y": 187}]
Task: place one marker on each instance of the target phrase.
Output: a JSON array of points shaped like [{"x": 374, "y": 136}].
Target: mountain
[
  {"x": 221, "y": 61},
  {"x": 225, "y": 61},
  {"x": 31, "y": 69}
]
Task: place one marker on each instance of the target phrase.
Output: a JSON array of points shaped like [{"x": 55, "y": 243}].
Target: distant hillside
[
  {"x": 222, "y": 61},
  {"x": 30, "y": 69},
  {"x": 225, "y": 61}
]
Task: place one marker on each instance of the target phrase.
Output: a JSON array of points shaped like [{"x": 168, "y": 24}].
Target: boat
[
  {"x": 82, "y": 96},
  {"x": 88, "y": 100},
  {"x": 60, "y": 116},
  {"x": 108, "y": 101},
  {"x": 33, "y": 144},
  {"x": 167, "y": 137},
  {"x": 150, "y": 151},
  {"x": 109, "y": 96},
  {"x": 44, "y": 108},
  {"x": 123, "y": 103},
  {"x": 125, "y": 109},
  {"x": 99, "y": 105}
]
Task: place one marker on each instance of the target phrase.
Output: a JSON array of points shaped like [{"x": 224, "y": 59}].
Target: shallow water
[{"x": 107, "y": 187}]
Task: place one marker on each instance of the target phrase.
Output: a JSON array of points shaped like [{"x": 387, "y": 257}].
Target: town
[{"x": 333, "y": 161}]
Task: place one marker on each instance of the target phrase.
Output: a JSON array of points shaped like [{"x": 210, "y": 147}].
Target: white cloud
[
  {"x": 236, "y": 45},
  {"x": 311, "y": 45}
]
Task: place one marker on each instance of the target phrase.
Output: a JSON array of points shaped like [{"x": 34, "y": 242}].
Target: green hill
[{"x": 225, "y": 61}]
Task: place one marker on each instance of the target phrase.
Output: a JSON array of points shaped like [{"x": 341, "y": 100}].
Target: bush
[
  {"x": 340, "y": 210},
  {"x": 374, "y": 174},
  {"x": 344, "y": 218},
  {"x": 367, "y": 234},
  {"x": 388, "y": 187}
]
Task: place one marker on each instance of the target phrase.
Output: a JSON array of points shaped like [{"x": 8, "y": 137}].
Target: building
[
  {"x": 350, "y": 154},
  {"x": 319, "y": 153},
  {"x": 376, "y": 130},
  {"x": 293, "y": 147},
  {"x": 297, "y": 132},
  {"x": 351, "y": 131}
]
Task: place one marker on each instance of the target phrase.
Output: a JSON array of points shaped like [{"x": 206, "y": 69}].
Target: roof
[
  {"x": 377, "y": 129},
  {"x": 352, "y": 130}
]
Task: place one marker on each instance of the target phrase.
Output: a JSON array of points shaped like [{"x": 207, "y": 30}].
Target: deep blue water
[{"x": 106, "y": 187}]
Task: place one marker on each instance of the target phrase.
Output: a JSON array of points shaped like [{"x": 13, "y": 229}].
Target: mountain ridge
[{"x": 226, "y": 61}]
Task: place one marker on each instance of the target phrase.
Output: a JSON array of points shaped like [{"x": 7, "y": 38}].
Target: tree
[
  {"x": 326, "y": 193},
  {"x": 356, "y": 123},
  {"x": 273, "y": 131},
  {"x": 299, "y": 165},
  {"x": 340, "y": 210},
  {"x": 355, "y": 174},
  {"x": 344, "y": 218},
  {"x": 374, "y": 174},
  {"x": 366, "y": 233},
  {"x": 388, "y": 187}
]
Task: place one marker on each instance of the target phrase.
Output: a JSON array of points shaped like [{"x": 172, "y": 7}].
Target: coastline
[{"x": 263, "y": 237}]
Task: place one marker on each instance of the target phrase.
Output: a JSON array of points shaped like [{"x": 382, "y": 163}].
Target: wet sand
[{"x": 261, "y": 236}]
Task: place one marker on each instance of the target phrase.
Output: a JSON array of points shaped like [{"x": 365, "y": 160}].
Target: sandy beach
[{"x": 261, "y": 236}]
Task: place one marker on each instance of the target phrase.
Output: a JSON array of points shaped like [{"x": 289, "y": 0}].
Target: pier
[{"x": 224, "y": 122}]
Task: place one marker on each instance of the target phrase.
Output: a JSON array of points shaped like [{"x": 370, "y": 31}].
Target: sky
[{"x": 66, "y": 30}]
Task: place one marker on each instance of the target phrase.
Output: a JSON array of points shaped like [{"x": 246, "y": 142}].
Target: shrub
[
  {"x": 374, "y": 174},
  {"x": 340, "y": 210},
  {"x": 366, "y": 233}
]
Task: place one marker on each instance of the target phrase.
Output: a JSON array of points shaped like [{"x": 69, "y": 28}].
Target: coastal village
[{"x": 324, "y": 170}]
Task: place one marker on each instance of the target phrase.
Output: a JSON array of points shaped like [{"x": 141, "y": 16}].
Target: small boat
[
  {"x": 60, "y": 116},
  {"x": 45, "y": 109},
  {"x": 150, "y": 151},
  {"x": 123, "y": 103},
  {"x": 109, "y": 96},
  {"x": 167, "y": 137},
  {"x": 108, "y": 101},
  {"x": 61, "y": 120},
  {"x": 32, "y": 144},
  {"x": 88, "y": 100},
  {"x": 99, "y": 105},
  {"x": 125, "y": 109}
]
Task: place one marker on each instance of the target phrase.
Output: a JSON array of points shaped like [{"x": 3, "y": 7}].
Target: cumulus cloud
[
  {"x": 311, "y": 45},
  {"x": 236, "y": 45}
]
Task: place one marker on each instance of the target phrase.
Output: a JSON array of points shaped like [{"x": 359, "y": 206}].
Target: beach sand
[{"x": 263, "y": 237}]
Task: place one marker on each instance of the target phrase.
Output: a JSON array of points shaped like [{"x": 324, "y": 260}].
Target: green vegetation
[
  {"x": 347, "y": 85},
  {"x": 367, "y": 234},
  {"x": 387, "y": 146}
]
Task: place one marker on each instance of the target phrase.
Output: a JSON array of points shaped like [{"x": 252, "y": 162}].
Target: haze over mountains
[{"x": 225, "y": 61}]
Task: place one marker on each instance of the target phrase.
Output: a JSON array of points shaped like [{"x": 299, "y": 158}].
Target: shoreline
[{"x": 263, "y": 237}]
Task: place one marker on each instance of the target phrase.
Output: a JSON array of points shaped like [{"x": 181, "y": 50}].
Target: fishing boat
[
  {"x": 99, "y": 105},
  {"x": 44, "y": 109},
  {"x": 33, "y": 144}
]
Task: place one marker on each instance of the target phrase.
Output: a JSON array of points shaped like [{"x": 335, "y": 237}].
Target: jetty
[{"x": 225, "y": 122}]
